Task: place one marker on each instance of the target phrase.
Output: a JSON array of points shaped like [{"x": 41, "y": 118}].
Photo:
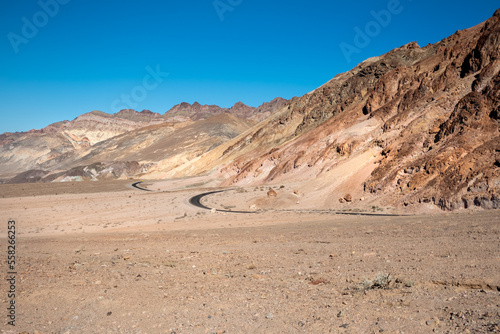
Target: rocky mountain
[
  {"x": 62, "y": 145},
  {"x": 197, "y": 111},
  {"x": 131, "y": 154},
  {"x": 413, "y": 126},
  {"x": 37, "y": 149},
  {"x": 194, "y": 111}
]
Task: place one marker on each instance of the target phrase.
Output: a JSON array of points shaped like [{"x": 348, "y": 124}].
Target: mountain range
[{"x": 417, "y": 126}]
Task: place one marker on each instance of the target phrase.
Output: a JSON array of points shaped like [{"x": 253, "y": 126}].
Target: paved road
[
  {"x": 135, "y": 185},
  {"x": 196, "y": 201}
]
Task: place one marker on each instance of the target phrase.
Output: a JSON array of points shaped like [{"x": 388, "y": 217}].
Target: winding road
[
  {"x": 135, "y": 185},
  {"x": 196, "y": 201}
]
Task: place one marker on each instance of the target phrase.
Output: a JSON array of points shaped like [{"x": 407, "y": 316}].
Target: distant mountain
[
  {"x": 61, "y": 146},
  {"x": 197, "y": 111}
]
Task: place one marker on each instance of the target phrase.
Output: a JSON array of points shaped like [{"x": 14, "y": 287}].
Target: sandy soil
[{"x": 97, "y": 258}]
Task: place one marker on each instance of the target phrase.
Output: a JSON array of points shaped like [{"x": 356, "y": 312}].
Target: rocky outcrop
[
  {"x": 452, "y": 162},
  {"x": 431, "y": 113}
]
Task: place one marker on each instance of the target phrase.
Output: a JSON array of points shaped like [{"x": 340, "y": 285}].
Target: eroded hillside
[{"x": 416, "y": 125}]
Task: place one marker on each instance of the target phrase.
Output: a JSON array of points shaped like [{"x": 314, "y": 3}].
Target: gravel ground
[{"x": 269, "y": 272}]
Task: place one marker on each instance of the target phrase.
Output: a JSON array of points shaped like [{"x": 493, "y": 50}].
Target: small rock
[
  {"x": 272, "y": 193},
  {"x": 348, "y": 198},
  {"x": 269, "y": 316},
  {"x": 109, "y": 313},
  {"x": 318, "y": 281}
]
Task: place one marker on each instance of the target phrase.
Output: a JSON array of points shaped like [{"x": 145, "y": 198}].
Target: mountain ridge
[
  {"x": 46, "y": 149},
  {"x": 414, "y": 127}
]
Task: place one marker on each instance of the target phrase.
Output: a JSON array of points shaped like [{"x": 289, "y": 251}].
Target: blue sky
[{"x": 63, "y": 58}]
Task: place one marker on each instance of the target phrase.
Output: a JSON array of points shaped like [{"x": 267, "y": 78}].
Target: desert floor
[{"x": 107, "y": 258}]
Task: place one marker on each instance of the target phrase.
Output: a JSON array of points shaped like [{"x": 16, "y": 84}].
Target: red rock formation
[{"x": 438, "y": 110}]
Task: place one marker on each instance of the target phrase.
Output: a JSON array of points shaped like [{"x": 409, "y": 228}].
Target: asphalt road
[
  {"x": 135, "y": 185},
  {"x": 196, "y": 201}
]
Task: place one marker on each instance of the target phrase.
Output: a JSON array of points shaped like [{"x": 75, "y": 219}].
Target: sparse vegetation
[{"x": 381, "y": 281}]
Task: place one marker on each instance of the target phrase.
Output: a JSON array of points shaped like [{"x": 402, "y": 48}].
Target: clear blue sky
[{"x": 58, "y": 63}]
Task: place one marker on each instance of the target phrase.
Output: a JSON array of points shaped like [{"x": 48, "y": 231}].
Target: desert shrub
[{"x": 381, "y": 281}]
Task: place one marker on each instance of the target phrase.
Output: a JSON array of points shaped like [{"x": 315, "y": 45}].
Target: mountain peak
[{"x": 240, "y": 104}]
